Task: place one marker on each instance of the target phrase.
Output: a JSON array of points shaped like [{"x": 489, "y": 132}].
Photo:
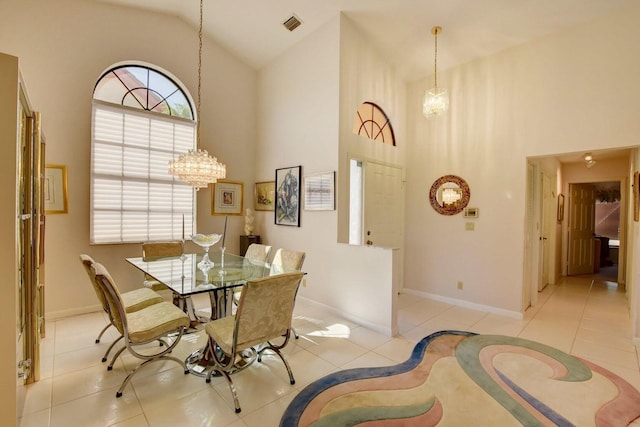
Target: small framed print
[
  {"x": 471, "y": 212},
  {"x": 319, "y": 192},
  {"x": 265, "y": 195},
  {"x": 287, "y": 210},
  {"x": 227, "y": 198},
  {"x": 55, "y": 189}
]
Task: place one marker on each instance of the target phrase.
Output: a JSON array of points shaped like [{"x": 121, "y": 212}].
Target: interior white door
[
  {"x": 383, "y": 205},
  {"x": 528, "y": 294},
  {"x": 582, "y": 208},
  {"x": 548, "y": 219}
]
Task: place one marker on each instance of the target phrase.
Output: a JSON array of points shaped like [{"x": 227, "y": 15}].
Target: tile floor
[{"x": 582, "y": 316}]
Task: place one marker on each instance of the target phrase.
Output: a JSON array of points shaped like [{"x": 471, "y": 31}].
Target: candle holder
[{"x": 222, "y": 271}]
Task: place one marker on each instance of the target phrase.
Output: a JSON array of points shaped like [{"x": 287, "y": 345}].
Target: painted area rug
[{"x": 456, "y": 378}]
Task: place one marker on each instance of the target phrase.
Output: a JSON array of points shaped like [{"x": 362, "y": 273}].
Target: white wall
[
  {"x": 364, "y": 76},
  {"x": 572, "y": 92},
  {"x": 303, "y": 121},
  {"x": 63, "y": 48}
]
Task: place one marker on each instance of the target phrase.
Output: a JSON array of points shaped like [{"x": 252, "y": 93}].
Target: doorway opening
[
  {"x": 610, "y": 179},
  {"x": 607, "y": 229}
]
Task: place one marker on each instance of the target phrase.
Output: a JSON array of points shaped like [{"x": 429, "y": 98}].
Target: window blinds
[{"x": 133, "y": 197}]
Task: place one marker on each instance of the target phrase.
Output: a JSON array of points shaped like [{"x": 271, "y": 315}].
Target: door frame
[
  {"x": 624, "y": 224},
  {"x": 535, "y": 252}
]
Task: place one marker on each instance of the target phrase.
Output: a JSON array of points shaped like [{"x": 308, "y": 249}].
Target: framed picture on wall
[
  {"x": 560, "y": 207},
  {"x": 319, "y": 192},
  {"x": 226, "y": 198},
  {"x": 265, "y": 195},
  {"x": 55, "y": 189},
  {"x": 287, "y": 208}
]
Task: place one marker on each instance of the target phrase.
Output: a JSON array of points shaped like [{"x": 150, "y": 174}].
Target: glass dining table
[{"x": 182, "y": 275}]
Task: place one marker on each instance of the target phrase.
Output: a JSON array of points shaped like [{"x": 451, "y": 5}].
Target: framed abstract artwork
[
  {"x": 226, "y": 198},
  {"x": 265, "y": 196},
  {"x": 319, "y": 192},
  {"x": 287, "y": 207}
]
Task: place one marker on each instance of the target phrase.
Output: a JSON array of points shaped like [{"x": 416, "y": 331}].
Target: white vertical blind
[{"x": 133, "y": 197}]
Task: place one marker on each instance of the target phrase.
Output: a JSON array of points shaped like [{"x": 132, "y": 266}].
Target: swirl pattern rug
[{"x": 456, "y": 378}]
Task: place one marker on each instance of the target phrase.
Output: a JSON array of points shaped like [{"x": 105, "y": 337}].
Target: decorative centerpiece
[{"x": 206, "y": 241}]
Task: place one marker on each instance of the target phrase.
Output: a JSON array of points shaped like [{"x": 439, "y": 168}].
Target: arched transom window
[{"x": 373, "y": 123}]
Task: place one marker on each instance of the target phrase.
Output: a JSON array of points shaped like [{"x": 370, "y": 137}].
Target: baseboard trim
[
  {"x": 61, "y": 314},
  {"x": 465, "y": 304},
  {"x": 355, "y": 319}
]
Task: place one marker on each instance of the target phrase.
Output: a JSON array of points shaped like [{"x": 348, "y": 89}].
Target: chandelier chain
[
  {"x": 435, "y": 59},
  {"x": 197, "y": 167},
  {"x": 199, "y": 76}
]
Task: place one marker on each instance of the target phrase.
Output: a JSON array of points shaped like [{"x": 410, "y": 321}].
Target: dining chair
[
  {"x": 134, "y": 300},
  {"x": 155, "y": 250},
  {"x": 287, "y": 260},
  {"x": 152, "y": 250},
  {"x": 157, "y": 322},
  {"x": 264, "y": 314},
  {"x": 258, "y": 254}
]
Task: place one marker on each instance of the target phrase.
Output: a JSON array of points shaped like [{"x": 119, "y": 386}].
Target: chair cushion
[
  {"x": 154, "y": 321},
  {"x": 154, "y": 285},
  {"x": 221, "y": 331},
  {"x": 139, "y": 298}
]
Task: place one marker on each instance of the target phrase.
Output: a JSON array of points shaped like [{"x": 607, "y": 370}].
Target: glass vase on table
[{"x": 206, "y": 241}]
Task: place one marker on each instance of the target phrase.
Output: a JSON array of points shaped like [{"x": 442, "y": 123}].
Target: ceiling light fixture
[
  {"x": 197, "y": 167},
  {"x": 588, "y": 159},
  {"x": 436, "y": 100}
]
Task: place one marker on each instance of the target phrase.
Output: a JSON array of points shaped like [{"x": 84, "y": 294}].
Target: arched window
[
  {"x": 142, "y": 119},
  {"x": 372, "y": 122}
]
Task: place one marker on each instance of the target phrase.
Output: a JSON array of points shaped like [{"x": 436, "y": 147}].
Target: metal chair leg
[
  {"x": 232, "y": 387},
  {"x": 113, "y": 360},
  {"x": 163, "y": 355},
  {"x": 106, "y": 354},
  {"x": 102, "y": 332}
]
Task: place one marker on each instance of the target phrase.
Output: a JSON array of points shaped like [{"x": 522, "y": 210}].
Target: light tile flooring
[{"x": 581, "y": 316}]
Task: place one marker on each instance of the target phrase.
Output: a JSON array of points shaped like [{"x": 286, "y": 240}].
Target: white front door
[
  {"x": 383, "y": 205},
  {"x": 582, "y": 205}
]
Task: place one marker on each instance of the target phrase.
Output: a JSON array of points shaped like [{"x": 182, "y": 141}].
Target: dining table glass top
[{"x": 182, "y": 274}]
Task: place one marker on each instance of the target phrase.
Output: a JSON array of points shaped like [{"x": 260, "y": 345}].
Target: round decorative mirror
[{"x": 449, "y": 195}]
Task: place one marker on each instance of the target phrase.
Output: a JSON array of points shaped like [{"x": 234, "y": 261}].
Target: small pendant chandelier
[
  {"x": 436, "y": 100},
  {"x": 197, "y": 167}
]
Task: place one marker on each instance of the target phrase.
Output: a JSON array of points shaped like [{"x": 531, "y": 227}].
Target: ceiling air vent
[{"x": 292, "y": 23}]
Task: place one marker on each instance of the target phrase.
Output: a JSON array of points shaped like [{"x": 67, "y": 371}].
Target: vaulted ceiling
[{"x": 401, "y": 29}]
